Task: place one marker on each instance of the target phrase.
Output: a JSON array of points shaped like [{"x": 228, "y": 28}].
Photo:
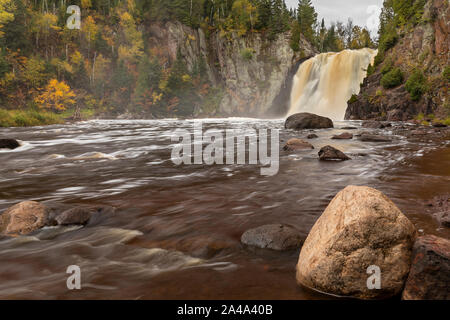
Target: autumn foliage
[{"x": 57, "y": 96}]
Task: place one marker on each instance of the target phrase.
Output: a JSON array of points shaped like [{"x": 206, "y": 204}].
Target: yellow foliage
[{"x": 57, "y": 96}]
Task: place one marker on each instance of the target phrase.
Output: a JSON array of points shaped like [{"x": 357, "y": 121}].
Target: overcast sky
[{"x": 363, "y": 12}]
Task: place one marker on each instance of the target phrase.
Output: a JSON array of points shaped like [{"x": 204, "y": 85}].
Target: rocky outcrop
[
  {"x": 360, "y": 230},
  {"x": 276, "y": 237},
  {"x": 328, "y": 153},
  {"x": 9, "y": 144},
  {"x": 429, "y": 277},
  {"x": 297, "y": 145},
  {"x": 300, "y": 121},
  {"x": 251, "y": 70},
  {"x": 426, "y": 48}
]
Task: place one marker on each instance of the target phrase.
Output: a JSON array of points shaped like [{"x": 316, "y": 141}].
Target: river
[{"x": 176, "y": 231}]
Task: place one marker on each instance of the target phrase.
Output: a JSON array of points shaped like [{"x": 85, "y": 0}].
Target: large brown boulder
[
  {"x": 429, "y": 278},
  {"x": 23, "y": 218},
  {"x": 360, "y": 228},
  {"x": 328, "y": 153},
  {"x": 300, "y": 121}
]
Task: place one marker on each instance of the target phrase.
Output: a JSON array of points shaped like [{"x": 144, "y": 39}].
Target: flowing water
[
  {"x": 176, "y": 231},
  {"x": 324, "y": 84}
]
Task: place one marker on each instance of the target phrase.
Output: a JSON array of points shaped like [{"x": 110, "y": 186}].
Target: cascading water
[{"x": 324, "y": 84}]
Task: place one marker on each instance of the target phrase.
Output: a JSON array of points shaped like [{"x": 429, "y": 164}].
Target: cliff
[
  {"x": 252, "y": 72},
  {"x": 422, "y": 56}
]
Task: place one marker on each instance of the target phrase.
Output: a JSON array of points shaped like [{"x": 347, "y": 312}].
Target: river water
[{"x": 176, "y": 231}]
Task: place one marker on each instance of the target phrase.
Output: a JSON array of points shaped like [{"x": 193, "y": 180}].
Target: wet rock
[
  {"x": 374, "y": 138},
  {"x": 360, "y": 228},
  {"x": 302, "y": 121},
  {"x": 312, "y": 136},
  {"x": 349, "y": 128},
  {"x": 343, "y": 136},
  {"x": 329, "y": 153},
  {"x": 429, "y": 277},
  {"x": 9, "y": 144},
  {"x": 75, "y": 216},
  {"x": 276, "y": 237},
  {"x": 439, "y": 125},
  {"x": 297, "y": 145},
  {"x": 375, "y": 125},
  {"x": 23, "y": 218},
  {"x": 440, "y": 207}
]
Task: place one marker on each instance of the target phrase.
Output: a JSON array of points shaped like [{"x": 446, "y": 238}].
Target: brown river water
[{"x": 176, "y": 231}]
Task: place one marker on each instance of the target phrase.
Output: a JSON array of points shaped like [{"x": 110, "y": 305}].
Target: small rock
[
  {"x": 302, "y": 121},
  {"x": 9, "y": 144},
  {"x": 360, "y": 228},
  {"x": 276, "y": 237},
  {"x": 312, "y": 136},
  {"x": 375, "y": 125},
  {"x": 79, "y": 216},
  {"x": 343, "y": 136},
  {"x": 297, "y": 145},
  {"x": 374, "y": 138},
  {"x": 429, "y": 277},
  {"x": 349, "y": 128},
  {"x": 23, "y": 218},
  {"x": 439, "y": 125},
  {"x": 329, "y": 153}
]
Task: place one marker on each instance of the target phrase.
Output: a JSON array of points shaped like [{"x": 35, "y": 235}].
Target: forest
[{"x": 49, "y": 72}]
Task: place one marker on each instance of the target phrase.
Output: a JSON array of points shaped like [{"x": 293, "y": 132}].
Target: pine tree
[{"x": 307, "y": 18}]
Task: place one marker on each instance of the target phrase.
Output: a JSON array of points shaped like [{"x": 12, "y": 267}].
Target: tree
[
  {"x": 56, "y": 97},
  {"x": 307, "y": 18},
  {"x": 6, "y": 13}
]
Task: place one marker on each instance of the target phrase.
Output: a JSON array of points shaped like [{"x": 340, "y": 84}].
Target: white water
[{"x": 324, "y": 84}]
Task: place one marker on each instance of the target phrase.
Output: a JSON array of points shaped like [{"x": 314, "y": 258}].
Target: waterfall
[{"x": 324, "y": 84}]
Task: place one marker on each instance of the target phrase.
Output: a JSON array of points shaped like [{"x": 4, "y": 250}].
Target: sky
[{"x": 363, "y": 12}]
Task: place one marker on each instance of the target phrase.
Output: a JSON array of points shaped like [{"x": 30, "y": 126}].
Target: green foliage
[
  {"x": 27, "y": 118},
  {"x": 392, "y": 79},
  {"x": 387, "y": 67},
  {"x": 353, "y": 99},
  {"x": 416, "y": 85}
]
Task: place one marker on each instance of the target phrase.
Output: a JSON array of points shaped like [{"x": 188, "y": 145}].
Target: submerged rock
[
  {"x": 275, "y": 236},
  {"x": 359, "y": 229},
  {"x": 440, "y": 207},
  {"x": 374, "y": 138},
  {"x": 312, "y": 136},
  {"x": 297, "y": 145},
  {"x": 302, "y": 121},
  {"x": 73, "y": 216},
  {"x": 329, "y": 153},
  {"x": 23, "y": 218},
  {"x": 343, "y": 136},
  {"x": 429, "y": 277},
  {"x": 9, "y": 144}
]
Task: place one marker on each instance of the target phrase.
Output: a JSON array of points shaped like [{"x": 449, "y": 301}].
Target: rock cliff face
[
  {"x": 251, "y": 71},
  {"x": 426, "y": 48}
]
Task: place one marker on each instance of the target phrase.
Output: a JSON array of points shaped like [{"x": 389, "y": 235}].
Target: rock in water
[
  {"x": 300, "y": 121},
  {"x": 360, "y": 228},
  {"x": 9, "y": 144},
  {"x": 297, "y": 145},
  {"x": 72, "y": 216},
  {"x": 343, "y": 136},
  {"x": 429, "y": 277},
  {"x": 276, "y": 237},
  {"x": 23, "y": 218},
  {"x": 329, "y": 153},
  {"x": 312, "y": 136}
]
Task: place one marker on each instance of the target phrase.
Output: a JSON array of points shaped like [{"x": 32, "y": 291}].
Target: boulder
[
  {"x": 23, "y": 218},
  {"x": 343, "y": 136},
  {"x": 302, "y": 121},
  {"x": 329, "y": 153},
  {"x": 374, "y": 138},
  {"x": 9, "y": 144},
  {"x": 312, "y": 136},
  {"x": 429, "y": 277},
  {"x": 359, "y": 230},
  {"x": 78, "y": 216},
  {"x": 297, "y": 145},
  {"x": 376, "y": 125},
  {"x": 276, "y": 237}
]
